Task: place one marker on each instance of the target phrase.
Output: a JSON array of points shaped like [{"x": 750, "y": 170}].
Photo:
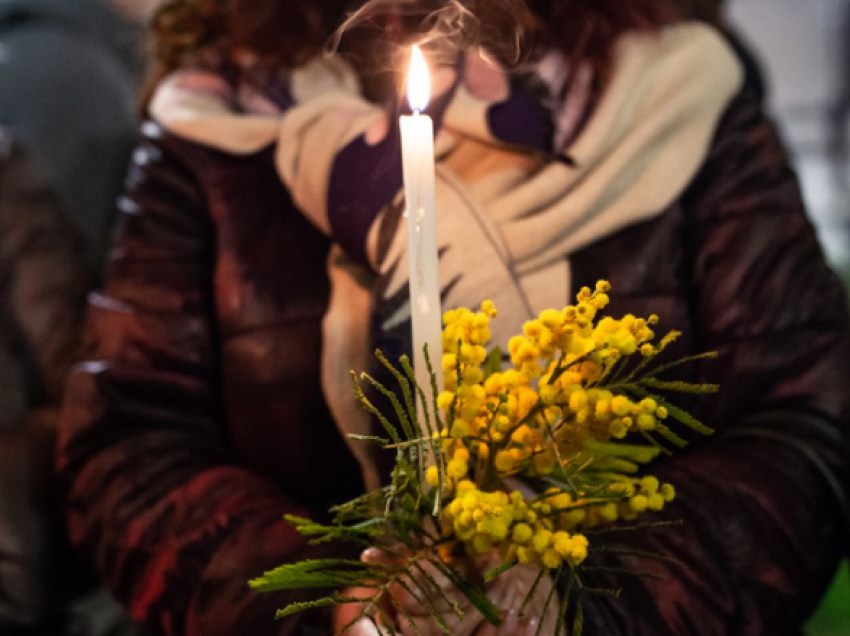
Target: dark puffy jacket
[{"x": 198, "y": 419}]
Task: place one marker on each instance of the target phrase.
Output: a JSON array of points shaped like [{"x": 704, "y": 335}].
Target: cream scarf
[{"x": 508, "y": 220}]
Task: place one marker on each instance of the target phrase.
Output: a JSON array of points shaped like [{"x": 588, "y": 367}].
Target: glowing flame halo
[{"x": 418, "y": 81}]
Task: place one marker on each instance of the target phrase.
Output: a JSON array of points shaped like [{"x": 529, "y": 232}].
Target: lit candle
[{"x": 417, "y": 143}]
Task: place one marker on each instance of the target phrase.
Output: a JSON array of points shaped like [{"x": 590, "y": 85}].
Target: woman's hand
[{"x": 507, "y": 592}]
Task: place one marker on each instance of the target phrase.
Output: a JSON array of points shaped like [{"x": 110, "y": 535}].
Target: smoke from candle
[{"x": 444, "y": 28}]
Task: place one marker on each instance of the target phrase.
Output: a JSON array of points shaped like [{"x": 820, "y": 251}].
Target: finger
[
  {"x": 428, "y": 587},
  {"x": 529, "y": 627},
  {"x": 511, "y": 623},
  {"x": 417, "y": 593},
  {"x": 376, "y": 555},
  {"x": 487, "y": 630}
]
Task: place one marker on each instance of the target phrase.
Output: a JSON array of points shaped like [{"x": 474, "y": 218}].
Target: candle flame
[{"x": 418, "y": 81}]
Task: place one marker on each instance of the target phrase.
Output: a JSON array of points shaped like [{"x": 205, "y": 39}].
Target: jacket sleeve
[
  {"x": 154, "y": 498},
  {"x": 765, "y": 501}
]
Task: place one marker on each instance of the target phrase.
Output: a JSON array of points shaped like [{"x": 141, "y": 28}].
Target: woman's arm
[
  {"x": 765, "y": 502},
  {"x": 154, "y": 497}
]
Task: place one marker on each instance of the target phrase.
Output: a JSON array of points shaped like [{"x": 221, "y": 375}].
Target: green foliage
[
  {"x": 678, "y": 386},
  {"x": 394, "y": 513},
  {"x": 833, "y": 616},
  {"x": 327, "y": 601},
  {"x": 397, "y": 516},
  {"x": 578, "y": 622},
  {"x": 496, "y": 572},
  {"x": 314, "y": 574}
]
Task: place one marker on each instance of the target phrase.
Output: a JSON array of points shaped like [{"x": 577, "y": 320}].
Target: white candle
[{"x": 417, "y": 144}]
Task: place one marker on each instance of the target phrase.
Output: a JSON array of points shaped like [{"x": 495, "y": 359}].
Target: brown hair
[{"x": 286, "y": 33}]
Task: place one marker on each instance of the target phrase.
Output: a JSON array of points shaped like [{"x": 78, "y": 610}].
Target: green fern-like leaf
[
  {"x": 406, "y": 426},
  {"x": 314, "y": 573},
  {"x": 371, "y": 408},
  {"x": 661, "y": 448},
  {"x": 632, "y": 452},
  {"x": 643, "y": 554},
  {"x": 433, "y": 446},
  {"x": 680, "y": 415},
  {"x": 360, "y": 532},
  {"x": 633, "y": 527},
  {"x": 667, "y": 340},
  {"x": 709, "y": 355},
  {"x": 578, "y": 620},
  {"x": 359, "y": 508},
  {"x": 420, "y": 392},
  {"x": 409, "y": 402},
  {"x": 670, "y": 436},
  {"x": 496, "y": 572},
  {"x": 380, "y": 441},
  {"x": 564, "y": 607},
  {"x": 327, "y": 601},
  {"x": 683, "y": 417},
  {"x": 679, "y": 387}
]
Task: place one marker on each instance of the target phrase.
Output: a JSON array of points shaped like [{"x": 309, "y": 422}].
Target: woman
[{"x": 256, "y": 260}]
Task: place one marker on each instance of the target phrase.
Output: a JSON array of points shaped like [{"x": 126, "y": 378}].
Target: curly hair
[{"x": 286, "y": 33}]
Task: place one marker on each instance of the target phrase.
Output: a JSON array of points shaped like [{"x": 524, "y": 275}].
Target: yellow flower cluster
[
  {"x": 534, "y": 419},
  {"x": 649, "y": 495},
  {"x": 598, "y": 415},
  {"x": 464, "y": 336},
  {"x": 487, "y": 521},
  {"x": 629, "y": 498},
  {"x": 565, "y": 353},
  {"x": 570, "y": 331}
]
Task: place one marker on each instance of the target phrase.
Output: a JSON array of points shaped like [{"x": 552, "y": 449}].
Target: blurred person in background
[
  {"x": 69, "y": 76},
  {"x": 43, "y": 282},
  {"x": 44, "y": 278}
]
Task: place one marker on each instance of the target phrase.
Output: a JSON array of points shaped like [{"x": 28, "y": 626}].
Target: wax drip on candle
[{"x": 422, "y": 301}]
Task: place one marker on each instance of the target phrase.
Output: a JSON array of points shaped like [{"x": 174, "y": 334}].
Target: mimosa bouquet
[{"x": 531, "y": 466}]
